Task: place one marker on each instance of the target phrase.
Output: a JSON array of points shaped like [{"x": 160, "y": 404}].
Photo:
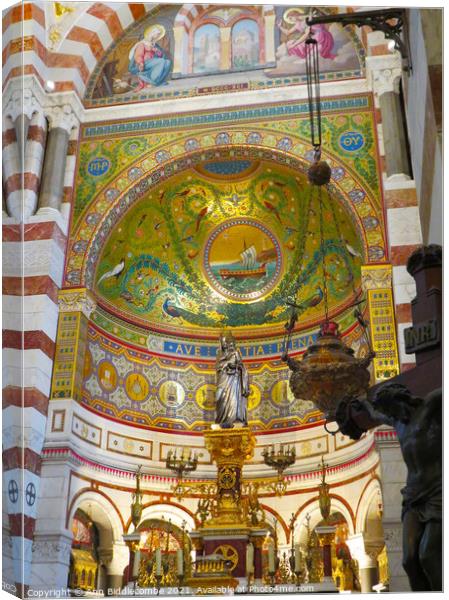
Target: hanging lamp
[{"x": 328, "y": 371}]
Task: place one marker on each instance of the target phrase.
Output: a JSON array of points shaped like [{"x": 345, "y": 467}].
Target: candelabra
[
  {"x": 280, "y": 460},
  {"x": 182, "y": 463}
]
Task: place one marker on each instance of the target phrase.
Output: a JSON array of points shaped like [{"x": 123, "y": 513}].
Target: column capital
[
  {"x": 119, "y": 559},
  {"x": 22, "y": 102},
  {"x": 52, "y": 548},
  {"x": 77, "y": 300},
  {"x": 376, "y": 277},
  {"x": 384, "y": 73},
  {"x": 62, "y": 116}
]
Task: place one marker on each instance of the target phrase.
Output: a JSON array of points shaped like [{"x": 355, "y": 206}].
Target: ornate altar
[
  {"x": 229, "y": 524},
  {"x": 83, "y": 560}
]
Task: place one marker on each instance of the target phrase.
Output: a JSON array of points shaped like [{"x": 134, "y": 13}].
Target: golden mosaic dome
[{"x": 221, "y": 246}]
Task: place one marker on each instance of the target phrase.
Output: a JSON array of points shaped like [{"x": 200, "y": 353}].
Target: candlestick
[
  {"x": 249, "y": 559},
  {"x": 136, "y": 564},
  {"x": 297, "y": 558},
  {"x": 271, "y": 563},
  {"x": 179, "y": 562},
  {"x": 158, "y": 557}
]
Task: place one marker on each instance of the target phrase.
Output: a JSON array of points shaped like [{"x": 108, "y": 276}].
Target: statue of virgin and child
[{"x": 231, "y": 399}]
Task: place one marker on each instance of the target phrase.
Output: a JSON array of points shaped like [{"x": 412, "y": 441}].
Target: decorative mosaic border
[{"x": 255, "y": 113}]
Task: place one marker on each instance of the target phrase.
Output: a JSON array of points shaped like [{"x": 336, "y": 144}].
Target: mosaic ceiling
[
  {"x": 222, "y": 245},
  {"x": 186, "y": 224}
]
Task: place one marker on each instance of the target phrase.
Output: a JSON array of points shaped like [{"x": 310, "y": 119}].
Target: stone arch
[
  {"x": 369, "y": 517},
  {"x": 312, "y": 508},
  {"x": 371, "y": 491},
  {"x": 283, "y": 530},
  {"x": 102, "y": 513},
  {"x": 165, "y": 166},
  {"x": 87, "y": 36},
  {"x": 176, "y": 513}
]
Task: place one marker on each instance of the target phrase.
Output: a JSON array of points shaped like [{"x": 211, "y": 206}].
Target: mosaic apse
[
  {"x": 180, "y": 51},
  {"x": 223, "y": 245}
]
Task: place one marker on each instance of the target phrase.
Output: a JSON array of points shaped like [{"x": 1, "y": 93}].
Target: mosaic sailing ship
[{"x": 249, "y": 266}]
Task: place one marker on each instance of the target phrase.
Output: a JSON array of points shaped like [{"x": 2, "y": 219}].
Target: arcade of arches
[{"x": 161, "y": 144}]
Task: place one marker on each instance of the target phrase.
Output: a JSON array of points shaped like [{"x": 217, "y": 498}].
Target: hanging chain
[
  {"x": 357, "y": 311},
  {"x": 304, "y": 237},
  {"x": 294, "y": 314},
  {"x": 342, "y": 241},
  {"x": 313, "y": 93},
  {"x": 323, "y": 257}
]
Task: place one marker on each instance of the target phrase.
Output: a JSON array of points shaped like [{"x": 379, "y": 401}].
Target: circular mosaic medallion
[
  {"x": 205, "y": 396},
  {"x": 351, "y": 141},
  {"x": 137, "y": 387},
  {"x": 172, "y": 394},
  {"x": 281, "y": 393},
  {"x": 107, "y": 376},
  {"x": 254, "y": 397},
  {"x": 242, "y": 260}
]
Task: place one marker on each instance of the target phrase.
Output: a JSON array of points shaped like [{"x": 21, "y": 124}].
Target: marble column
[
  {"x": 52, "y": 543},
  {"x": 61, "y": 121},
  {"x": 368, "y": 573},
  {"x": 395, "y": 142},
  {"x": 115, "y": 559},
  {"x": 385, "y": 76},
  {"x": 20, "y": 176},
  {"x": 393, "y": 476},
  {"x": 326, "y": 535}
]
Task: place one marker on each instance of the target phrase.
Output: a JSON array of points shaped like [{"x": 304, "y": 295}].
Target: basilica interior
[{"x": 158, "y": 198}]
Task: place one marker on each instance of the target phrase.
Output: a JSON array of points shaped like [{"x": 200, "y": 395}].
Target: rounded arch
[
  {"x": 102, "y": 511},
  {"x": 166, "y": 510},
  {"x": 95, "y": 27},
  {"x": 280, "y": 520},
  {"x": 312, "y": 508},
  {"x": 371, "y": 490},
  {"x": 165, "y": 166}
]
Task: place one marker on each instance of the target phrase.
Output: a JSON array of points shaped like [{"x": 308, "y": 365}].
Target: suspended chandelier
[{"x": 328, "y": 371}]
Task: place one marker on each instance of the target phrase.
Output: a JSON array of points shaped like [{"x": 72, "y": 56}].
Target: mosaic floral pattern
[
  {"x": 179, "y": 395},
  {"x": 361, "y": 195},
  {"x": 189, "y": 256}
]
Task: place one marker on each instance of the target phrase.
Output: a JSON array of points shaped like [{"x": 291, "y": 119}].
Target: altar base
[{"x": 228, "y": 531}]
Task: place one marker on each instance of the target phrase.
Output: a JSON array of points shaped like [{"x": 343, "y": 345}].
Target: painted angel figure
[
  {"x": 298, "y": 31},
  {"x": 148, "y": 60}
]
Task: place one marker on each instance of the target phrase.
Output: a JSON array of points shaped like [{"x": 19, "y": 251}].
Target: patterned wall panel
[{"x": 131, "y": 446}]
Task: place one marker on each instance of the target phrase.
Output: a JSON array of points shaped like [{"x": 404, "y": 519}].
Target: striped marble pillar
[
  {"x": 62, "y": 120},
  {"x": 399, "y": 189},
  {"x": 32, "y": 274},
  {"x": 24, "y": 135},
  {"x": 33, "y": 264}
]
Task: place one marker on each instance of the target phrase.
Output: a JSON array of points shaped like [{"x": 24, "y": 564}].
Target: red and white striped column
[
  {"x": 33, "y": 263},
  {"x": 384, "y": 71},
  {"x": 401, "y": 205},
  {"x": 24, "y": 134}
]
